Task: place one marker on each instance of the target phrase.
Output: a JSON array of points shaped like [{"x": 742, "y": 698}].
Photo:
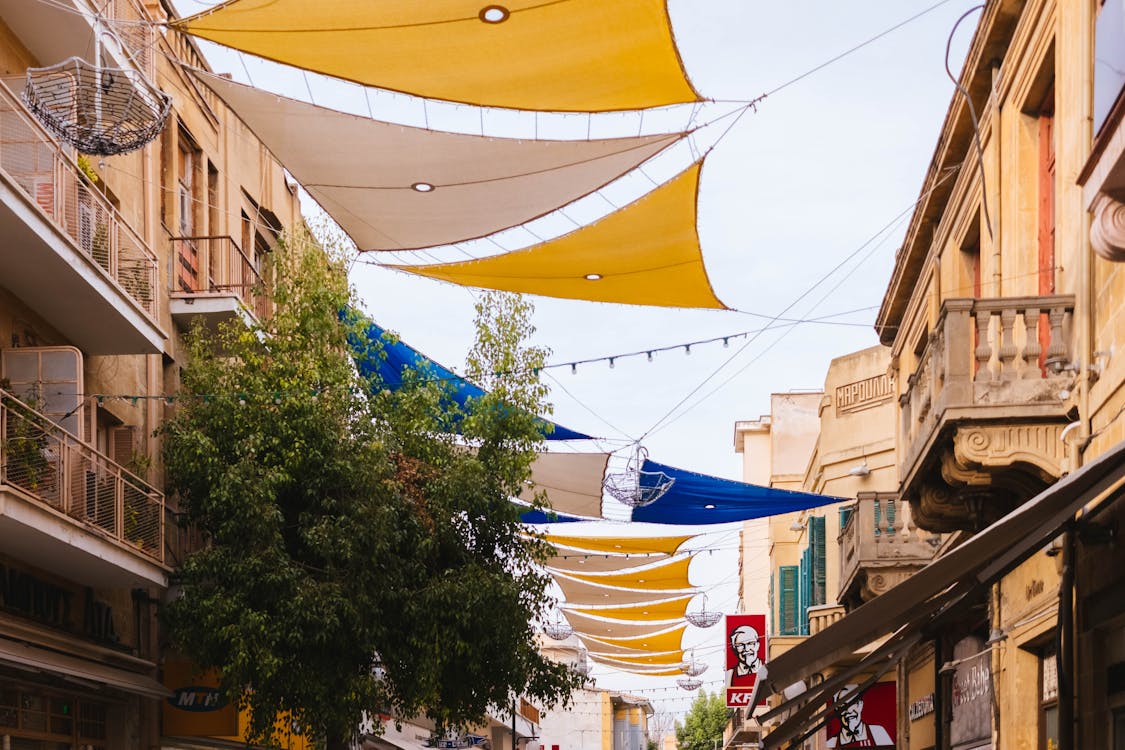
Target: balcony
[
  {"x": 54, "y": 31},
  {"x": 214, "y": 280},
  {"x": 823, "y": 615},
  {"x": 742, "y": 729},
  {"x": 67, "y": 509},
  {"x": 68, "y": 254},
  {"x": 880, "y": 547},
  {"x": 982, "y": 413}
]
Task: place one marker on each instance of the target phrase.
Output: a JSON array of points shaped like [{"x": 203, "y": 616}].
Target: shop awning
[
  {"x": 578, "y": 55},
  {"x": 34, "y": 659},
  {"x": 909, "y": 609}
]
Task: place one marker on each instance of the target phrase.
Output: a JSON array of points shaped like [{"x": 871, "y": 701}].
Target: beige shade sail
[
  {"x": 372, "y": 177},
  {"x": 582, "y": 593},
  {"x": 572, "y": 482},
  {"x": 666, "y": 640},
  {"x": 663, "y": 609},
  {"x": 564, "y": 55},
  {"x": 598, "y": 628},
  {"x": 646, "y": 253},
  {"x": 619, "y": 545},
  {"x": 642, "y": 671},
  {"x": 587, "y": 562},
  {"x": 667, "y": 576}
]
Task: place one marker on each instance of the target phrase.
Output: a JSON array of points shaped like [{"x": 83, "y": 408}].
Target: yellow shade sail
[
  {"x": 673, "y": 657},
  {"x": 581, "y": 593},
  {"x": 666, "y": 640},
  {"x": 640, "y": 670},
  {"x": 647, "y": 253},
  {"x": 599, "y": 628},
  {"x": 585, "y": 562},
  {"x": 564, "y": 55},
  {"x": 668, "y": 576},
  {"x": 664, "y": 609},
  {"x": 619, "y": 545}
]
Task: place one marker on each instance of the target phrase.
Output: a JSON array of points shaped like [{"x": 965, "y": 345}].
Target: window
[
  {"x": 49, "y": 378},
  {"x": 1048, "y": 700},
  {"x": 788, "y": 603},
  {"x": 818, "y": 563},
  {"x": 1046, "y": 214},
  {"x": 36, "y": 720}
]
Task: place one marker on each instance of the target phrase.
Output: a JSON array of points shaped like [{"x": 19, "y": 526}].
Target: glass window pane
[{"x": 1051, "y": 727}]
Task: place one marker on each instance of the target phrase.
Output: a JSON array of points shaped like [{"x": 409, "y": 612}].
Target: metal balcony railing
[
  {"x": 985, "y": 356},
  {"x": 216, "y": 264},
  {"x": 39, "y": 165},
  {"x": 48, "y": 465}
]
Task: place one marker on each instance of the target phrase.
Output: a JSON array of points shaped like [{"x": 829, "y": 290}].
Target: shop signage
[
  {"x": 196, "y": 707},
  {"x": 464, "y": 740},
  {"x": 972, "y": 692},
  {"x": 863, "y": 719},
  {"x": 73, "y": 609},
  {"x": 197, "y": 698},
  {"x": 746, "y": 653},
  {"x": 863, "y": 394},
  {"x": 924, "y": 706}
]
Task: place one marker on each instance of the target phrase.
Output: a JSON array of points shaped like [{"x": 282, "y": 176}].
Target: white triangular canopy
[{"x": 395, "y": 187}]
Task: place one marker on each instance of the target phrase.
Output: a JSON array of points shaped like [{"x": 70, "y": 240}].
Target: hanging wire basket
[
  {"x": 637, "y": 488},
  {"x": 98, "y": 110},
  {"x": 703, "y": 617},
  {"x": 692, "y": 667},
  {"x": 689, "y": 683},
  {"x": 582, "y": 667},
  {"x": 558, "y": 629}
]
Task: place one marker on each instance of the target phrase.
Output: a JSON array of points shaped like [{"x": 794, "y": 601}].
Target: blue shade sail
[
  {"x": 387, "y": 362},
  {"x": 702, "y": 499},
  {"x": 546, "y": 516}
]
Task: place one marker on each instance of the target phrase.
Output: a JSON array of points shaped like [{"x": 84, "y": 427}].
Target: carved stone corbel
[
  {"x": 1033, "y": 449},
  {"x": 1107, "y": 230}
]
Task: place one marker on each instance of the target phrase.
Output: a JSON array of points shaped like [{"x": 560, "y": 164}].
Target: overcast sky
[{"x": 794, "y": 189}]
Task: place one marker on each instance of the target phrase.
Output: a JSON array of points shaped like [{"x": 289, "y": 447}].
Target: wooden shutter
[
  {"x": 845, "y": 514},
  {"x": 122, "y": 444},
  {"x": 787, "y": 576},
  {"x": 805, "y": 591},
  {"x": 818, "y": 567}
]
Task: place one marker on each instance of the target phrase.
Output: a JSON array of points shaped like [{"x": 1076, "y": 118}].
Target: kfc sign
[{"x": 746, "y": 652}]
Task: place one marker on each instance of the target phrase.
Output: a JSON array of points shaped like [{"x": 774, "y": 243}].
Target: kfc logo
[{"x": 746, "y": 653}]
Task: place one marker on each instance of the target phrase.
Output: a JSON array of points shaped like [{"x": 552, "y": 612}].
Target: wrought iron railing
[
  {"x": 48, "y": 465},
  {"x": 42, "y": 169},
  {"x": 216, "y": 264}
]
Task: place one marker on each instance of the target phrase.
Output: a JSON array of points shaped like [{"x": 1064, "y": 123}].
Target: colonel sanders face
[{"x": 744, "y": 641}]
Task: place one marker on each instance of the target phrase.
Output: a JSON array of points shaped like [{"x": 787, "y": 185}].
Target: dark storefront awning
[
  {"x": 910, "y": 610},
  {"x": 34, "y": 659}
]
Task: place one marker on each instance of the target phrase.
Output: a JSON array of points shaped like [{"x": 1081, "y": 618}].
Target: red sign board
[
  {"x": 867, "y": 720},
  {"x": 746, "y": 651}
]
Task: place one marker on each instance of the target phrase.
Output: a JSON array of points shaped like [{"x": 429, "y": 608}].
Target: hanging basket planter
[
  {"x": 703, "y": 617},
  {"x": 97, "y": 110},
  {"x": 634, "y": 487},
  {"x": 689, "y": 683}
]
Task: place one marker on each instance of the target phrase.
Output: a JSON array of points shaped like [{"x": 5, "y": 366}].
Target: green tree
[
  {"x": 703, "y": 725},
  {"x": 362, "y": 552}
]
